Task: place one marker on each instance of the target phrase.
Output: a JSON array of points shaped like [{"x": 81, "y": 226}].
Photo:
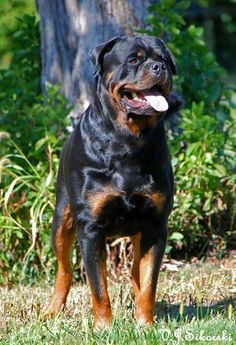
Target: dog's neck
[
  {"x": 139, "y": 125},
  {"x": 128, "y": 124}
]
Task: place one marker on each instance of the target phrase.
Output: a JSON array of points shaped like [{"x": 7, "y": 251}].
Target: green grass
[{"x": 194, "y": 305}]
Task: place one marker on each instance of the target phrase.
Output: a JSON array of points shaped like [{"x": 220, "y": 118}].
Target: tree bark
[{"x": 70, "y": 28}]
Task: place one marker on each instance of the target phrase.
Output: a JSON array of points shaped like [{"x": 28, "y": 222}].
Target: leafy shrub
[
  {"x": 204, "y": 149},
  {"x": 10, "y": 10},
  {"x": 22, "y": 104},
  {"x": 33, "y": 131}
]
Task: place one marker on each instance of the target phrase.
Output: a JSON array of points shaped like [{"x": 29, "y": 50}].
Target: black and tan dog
[{"x": 115, "y": 176}]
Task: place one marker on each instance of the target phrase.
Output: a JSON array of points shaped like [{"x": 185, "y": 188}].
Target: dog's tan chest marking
[
  {"x": 159, "y": 199},
  {"x": 99, "y": 199}
]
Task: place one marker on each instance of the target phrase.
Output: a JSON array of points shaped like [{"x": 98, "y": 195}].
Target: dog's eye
[{"x": 133, "y": 61}]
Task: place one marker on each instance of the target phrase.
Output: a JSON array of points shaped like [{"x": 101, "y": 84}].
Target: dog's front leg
[
  {"x": 93, "y": 249},
  {"x": 149, "y": 249}
]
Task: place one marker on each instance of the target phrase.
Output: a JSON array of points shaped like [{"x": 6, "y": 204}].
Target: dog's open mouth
[{"x": 144, "y": 99}]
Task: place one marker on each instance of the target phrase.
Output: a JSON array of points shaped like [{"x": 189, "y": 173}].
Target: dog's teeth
[{"x": 134, "y": 94}]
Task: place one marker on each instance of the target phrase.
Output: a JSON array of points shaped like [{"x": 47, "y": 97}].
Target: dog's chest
[
  {"x": 123, "y": 214},
  {"x": 126, "y": 201},
  {"x": 131, "y": 178}
]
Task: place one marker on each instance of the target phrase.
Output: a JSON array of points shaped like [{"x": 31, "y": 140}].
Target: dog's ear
[
  {"x": 171, "y": 60},
  {"x": 170, "y": 56},
  {"x": 97, "y": 54}
]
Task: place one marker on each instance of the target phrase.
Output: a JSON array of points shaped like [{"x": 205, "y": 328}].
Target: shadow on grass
[{"x": 179, "y": 312}]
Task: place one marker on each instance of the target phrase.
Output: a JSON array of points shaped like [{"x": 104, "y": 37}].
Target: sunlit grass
[{"x": 194, "y": 305}]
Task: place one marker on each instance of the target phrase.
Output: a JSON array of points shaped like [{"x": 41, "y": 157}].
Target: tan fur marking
[
  {"x": 101, "y": 306},
  {"x": 121, "y": 116},
  {"x": 109, "y": 77},
  {"x": 139, "y": 54},
  {"x": 67, "y": 218},
  {"x": 63, "y": 241},
  {"x": 159, "y": 200},
  {"x": 134, "y": 125},
  {"x": 99, "y": 199},
  {"x": 114, "y": 90},
  {"x": 143, "y": 286},
  {"x": 146, "y": 298},
  {"x": 121, "y": 119}
]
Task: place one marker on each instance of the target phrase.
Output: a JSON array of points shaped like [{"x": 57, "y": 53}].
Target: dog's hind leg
[{"x": 63, "y": 235}]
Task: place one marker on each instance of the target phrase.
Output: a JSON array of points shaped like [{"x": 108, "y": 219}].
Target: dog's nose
[{"x": 156, "y": 67}]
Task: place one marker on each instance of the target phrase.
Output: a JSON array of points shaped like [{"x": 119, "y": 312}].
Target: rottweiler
[{"x": 115, "y": 177}]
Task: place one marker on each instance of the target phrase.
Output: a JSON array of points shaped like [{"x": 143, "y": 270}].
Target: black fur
[{"x": 122, "y": 151}]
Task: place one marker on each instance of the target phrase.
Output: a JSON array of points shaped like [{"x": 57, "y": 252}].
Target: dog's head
[{"x": 134, "y": 76}]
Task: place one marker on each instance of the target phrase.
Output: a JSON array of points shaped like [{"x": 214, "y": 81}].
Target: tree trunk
[{"x": 70, "y": 28}]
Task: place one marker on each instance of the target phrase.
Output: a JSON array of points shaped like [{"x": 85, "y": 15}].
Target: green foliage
[
  {"x": 204, "y": 150},
  {"x": 22, "y": 105},
  {"x": 33, "y": 131},
  {"x": 28, "y": 204},
  {"x": 29, "y": 193},
  {"x": 10, "y": 11}
]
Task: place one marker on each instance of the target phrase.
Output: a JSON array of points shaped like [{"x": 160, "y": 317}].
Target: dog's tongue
[
  {"x": 159, "y": 102},
  {"x": 156, "y": 100}
]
